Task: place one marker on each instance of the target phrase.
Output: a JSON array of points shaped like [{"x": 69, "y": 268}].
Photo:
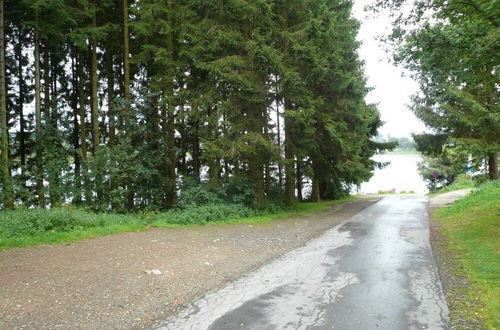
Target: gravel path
[{"x": 102, "y": 284}]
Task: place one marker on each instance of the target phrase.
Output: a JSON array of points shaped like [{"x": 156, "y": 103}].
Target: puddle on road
[{"x": 289, "y": 292}]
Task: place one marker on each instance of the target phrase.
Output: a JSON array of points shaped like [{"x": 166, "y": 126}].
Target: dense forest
[{"x": 119, "y": 104}]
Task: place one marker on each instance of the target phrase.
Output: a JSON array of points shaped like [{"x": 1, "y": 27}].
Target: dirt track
[{"x": 101, "y": 283}]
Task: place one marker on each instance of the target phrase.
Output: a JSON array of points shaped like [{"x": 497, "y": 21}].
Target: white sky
[{"x": 391, "y": 91}]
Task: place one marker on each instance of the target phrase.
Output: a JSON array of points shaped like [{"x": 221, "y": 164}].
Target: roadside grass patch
[
  {"x": 460, "y": 183},
  {"x": 472, "y": 227},
  {"x": 23, "y": 227}
]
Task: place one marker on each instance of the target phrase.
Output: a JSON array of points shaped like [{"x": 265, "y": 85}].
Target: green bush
[
  {"x": 204, "y": 214},
  {"x": 23, "y": 222}
]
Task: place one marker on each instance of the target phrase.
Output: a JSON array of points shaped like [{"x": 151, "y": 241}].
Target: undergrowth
[{"x": 24, "y": 227}]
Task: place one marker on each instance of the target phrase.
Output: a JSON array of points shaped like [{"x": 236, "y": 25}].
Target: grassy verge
[
  {"x": 21, "y": 228},
  {"x": 459, "y": 184},
  {"x": 472, "y": 228}
]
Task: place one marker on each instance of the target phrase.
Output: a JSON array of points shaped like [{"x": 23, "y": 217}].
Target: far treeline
[
  {"x": 119, "y": 104},
  {"x": 451, "y": 47}
]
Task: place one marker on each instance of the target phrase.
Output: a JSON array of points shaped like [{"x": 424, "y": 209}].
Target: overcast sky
[{"x": 391, "y": 91}]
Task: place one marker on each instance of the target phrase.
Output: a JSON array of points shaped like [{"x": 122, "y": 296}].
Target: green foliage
[
  {"x": 451, "y": 48},
  {"x": 24, "y": 227},
  {"x": 204, "y": 214},
  {"x": 23, "y": 222},
  {"x": 205, "y": 90},
  {"x": 472, "y": 227},
  {"x": 445, "y": 167}
]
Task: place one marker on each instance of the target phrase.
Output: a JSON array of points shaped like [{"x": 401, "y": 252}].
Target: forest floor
[{"x": 132, "y": 280}]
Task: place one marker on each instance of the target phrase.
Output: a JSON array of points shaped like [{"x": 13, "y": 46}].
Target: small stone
[{"x": 152, "y": 272}]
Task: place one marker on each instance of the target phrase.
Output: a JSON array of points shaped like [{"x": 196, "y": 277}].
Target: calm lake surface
[{"x": 401, "y": 175}]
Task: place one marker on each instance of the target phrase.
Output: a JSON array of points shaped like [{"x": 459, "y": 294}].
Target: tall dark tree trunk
[
  {"x": 278, "y": 128},
  {"x": 316, "y": 193},
  {"x": 196, "y": 149},
  {"x": 38, "y": 119},
  {"x": 299, "y": 179},
  {"x": 77, "y": 197},
  {"x": 111, "y": 94},
  {"x": 493, "y": 165},
  {"x": 83, "y": 125},
  {"x": 93, "y": 81},
  {"x": 20, "y": 104},
  {"x": 171, "y": 193},
  {"x": 289, "y": 163},
  {"x": 8, "y": 191},
  {"x": 255, "y": 164}
]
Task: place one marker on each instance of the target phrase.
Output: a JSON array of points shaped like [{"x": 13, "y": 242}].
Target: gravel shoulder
[
  {"x": 101, "y": 283},
  {"x": 456, "y": 286}
]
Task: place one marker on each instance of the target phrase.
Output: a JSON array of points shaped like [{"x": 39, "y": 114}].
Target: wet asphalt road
[{"x": 375, "y": 271}]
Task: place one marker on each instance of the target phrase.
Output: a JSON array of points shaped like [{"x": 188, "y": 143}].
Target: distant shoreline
[{"x": 402, "y": 152}]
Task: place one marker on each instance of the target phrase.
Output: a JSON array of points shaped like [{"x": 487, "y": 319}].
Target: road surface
[{"x": 374, "y": 271}]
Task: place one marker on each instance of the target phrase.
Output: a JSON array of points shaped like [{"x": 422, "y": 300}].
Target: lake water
[{"x": 401, "y": 175}]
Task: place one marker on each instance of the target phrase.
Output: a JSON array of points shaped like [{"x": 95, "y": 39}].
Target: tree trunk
[
  {"x": 20, "y": 105},
  {"x": 77, "y": 198},
  {"x": 93, "y": 78},
  {"x": 8, "y": 193},
  {"x": 126, "y": 51},
  {"x": 278, "y": 127},
  {"x": 196, "y": 150},
  {"x": 316, "y": 194},
  {"x": 111, "y": 95},
  {"x": 170, "y": 124},
  {"x": 299, "y": 179},
  {"x": 493, "y": 165},
  {"x": 38, "y": 119},
  {"x": 83, "y": 125},
  {"x": 255, "y": 164},
  {"x": 289, "y": 164}
]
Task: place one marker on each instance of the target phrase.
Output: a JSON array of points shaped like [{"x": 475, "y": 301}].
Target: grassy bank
[
  {"x": 472, "y": 228},
  {"x": 32, "y": 227},
  {"x": 460, "y": 183}
]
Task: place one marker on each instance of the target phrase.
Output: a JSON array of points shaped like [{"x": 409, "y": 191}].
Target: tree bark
[
  {"x": 77, "y": 198},
  {"x": 8, "y": 193},
  {"x": 111, "y": 94},
  {"x": 126, "y": 51},
  {"x": 493, "y": 165},
  {"x": 93, "y": 78},
  {"x": 299, "y": 179},
  {"x": 38, "y": 119},
  {"x": 289, "y": 163},
  {"x": 83, "y": 125},
  {"x": 170, "y": 124}
]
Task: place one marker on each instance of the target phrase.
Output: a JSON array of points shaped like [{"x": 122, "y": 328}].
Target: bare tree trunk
[
  {"x": 38, "y": 120},
  {"x": 172, "y": 187},
  {"x": 77, "y": 197},
  {"x": 8, "y": 193},
  {"x": 299, "y": 179},
  {"x": 289, "y": 164},
  {"x": 83, "y": 125},
  {"x": 93, "y": 78},
  {"x": 493, "y": 165}
]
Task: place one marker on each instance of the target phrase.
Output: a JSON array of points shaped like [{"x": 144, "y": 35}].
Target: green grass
[
  {"x": 460, "y": 183},
  {"x": 301, "y": 209},
  {"x": 21, "y": 228},
  {"x": 472, "y": 226}
]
